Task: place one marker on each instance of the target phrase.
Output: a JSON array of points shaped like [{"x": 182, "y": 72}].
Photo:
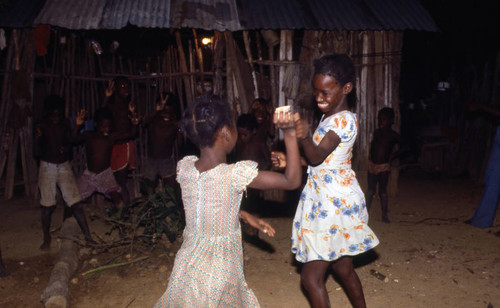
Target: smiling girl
[{"x": 330, "y": 225}]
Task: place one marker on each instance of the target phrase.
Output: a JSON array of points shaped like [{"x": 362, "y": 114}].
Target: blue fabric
[{"x": 485, "y": 212}]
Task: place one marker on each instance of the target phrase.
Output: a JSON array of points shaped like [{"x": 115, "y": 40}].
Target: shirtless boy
[
  {"x": 98, "y": 176},
  {"x": 118, "y": 100},
  {"x": 163, "y": 137},
  {"x": 381, "y": 155},
  {"x": 52, "y": 147}
]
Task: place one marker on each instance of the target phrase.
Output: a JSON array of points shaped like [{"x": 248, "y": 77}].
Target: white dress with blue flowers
[{"x": 331, "y": 219}]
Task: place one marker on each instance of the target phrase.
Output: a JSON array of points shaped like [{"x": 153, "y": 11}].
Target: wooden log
[{"x": 55, "y": 295}]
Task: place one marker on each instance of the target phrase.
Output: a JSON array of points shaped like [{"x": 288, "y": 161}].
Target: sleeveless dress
[
  {"x": 208, "y": 268},
  {"x": 331, "y": 220}
]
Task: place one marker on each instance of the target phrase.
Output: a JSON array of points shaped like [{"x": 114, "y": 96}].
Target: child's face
[
  {"x": 122, "y": 89},
  {"x": 55, "y": 116},
  {"x": 260, "y": 112},
  {"x": 384, "y": 121},
  {"x": 244, "y": 135},
  {"x": 104, "y": 127},
  {"x": 329, "y": 94},
  {"x": 167, "y": 113}
]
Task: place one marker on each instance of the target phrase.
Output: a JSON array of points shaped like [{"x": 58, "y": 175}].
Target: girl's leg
[
  {"x": 46, "y": 217},
  {"x": 372, "y": 187},
  {"x": 312, "y": 278},
  {"x": 383, "y": 180},
  {"x": 344, "y": 269}
]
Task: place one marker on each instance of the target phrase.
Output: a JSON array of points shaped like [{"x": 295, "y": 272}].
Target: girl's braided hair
[{"x": 204, "y": 118}]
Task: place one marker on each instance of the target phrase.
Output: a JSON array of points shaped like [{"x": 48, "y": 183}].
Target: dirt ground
[{"x": 429, "y": 256}]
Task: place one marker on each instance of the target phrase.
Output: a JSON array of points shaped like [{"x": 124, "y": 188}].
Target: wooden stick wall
[{"x": 240, "y": 71}]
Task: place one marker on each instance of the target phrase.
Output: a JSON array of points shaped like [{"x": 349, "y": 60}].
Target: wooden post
[
  {"x": 218, "y": 62},
  {"x": 183, "y": 67},
  {"x": 246, "y": 39},
  {"x": 199, "y": 53}
]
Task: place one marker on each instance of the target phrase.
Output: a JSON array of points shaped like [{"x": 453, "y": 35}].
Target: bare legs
[
  {"x": 80, "y": 218},
  {"x": 383, "y": 180},
  {"x": 76, "y": 210},
  {"x": 350, "y": 280},
  {"x": 46, "y": 217},
  {"x": 121, "y": 177},
  {"x": 313, "y": 280}
]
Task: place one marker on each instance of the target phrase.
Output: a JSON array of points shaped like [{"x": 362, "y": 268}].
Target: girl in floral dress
[
  {"x": 330, "y": 225},
  {"x": 208, "y": 268}
]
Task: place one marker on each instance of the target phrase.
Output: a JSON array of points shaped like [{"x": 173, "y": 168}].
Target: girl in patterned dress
[
  {"x": 208, "y": 268},
  {"x": 330, "y": 225}
]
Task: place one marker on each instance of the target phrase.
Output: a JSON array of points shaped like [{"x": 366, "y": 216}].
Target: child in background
[
  {"x": 331, "y": 222},
  {"x": 263, "y": 112},
  {"x": 52, "y": 146},
  {"x": 163, "y": 137},
  {"x": 98, "y": 176},
  {"x": 381, "y": 155},
  {"x": 208, "y": 268},
  {"x": 118, "y": 100},
  {"x": 249, "y": 146}
]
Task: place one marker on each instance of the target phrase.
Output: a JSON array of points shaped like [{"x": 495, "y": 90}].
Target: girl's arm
[
  {"x": 257, "y": 223},
  {"x": 292, "y": 177},
  {"x": 316, "y": 154}
]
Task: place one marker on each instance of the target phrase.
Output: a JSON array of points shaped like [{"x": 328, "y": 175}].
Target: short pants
[
  {"x": 51, "y": 175},
  {"x": 103, "y": 182},
  {"x": 122, "y": 156},
  {"x": 378, "y": 168}
]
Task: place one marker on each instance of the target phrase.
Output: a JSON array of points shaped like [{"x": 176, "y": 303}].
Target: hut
[{"x": 255, "y": 49}]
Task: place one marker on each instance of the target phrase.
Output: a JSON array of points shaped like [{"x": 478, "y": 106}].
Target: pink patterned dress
[
  {"x": 208, "y": 268},
  {"x": 331, "y": 219}
]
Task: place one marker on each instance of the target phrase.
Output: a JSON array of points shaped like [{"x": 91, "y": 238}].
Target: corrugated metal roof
[
  {"x": 72, "y": 14},
  {"x": 19, "y": 14},
  {"x": 141, "y": 13},
  {"x": 231, "y": 15},
  {"x": 335, "y": 15},
  {"x": 205, "y": 14}
]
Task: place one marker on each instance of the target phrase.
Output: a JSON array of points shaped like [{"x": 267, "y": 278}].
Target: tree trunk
[{"x": 56, "y": 293}]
